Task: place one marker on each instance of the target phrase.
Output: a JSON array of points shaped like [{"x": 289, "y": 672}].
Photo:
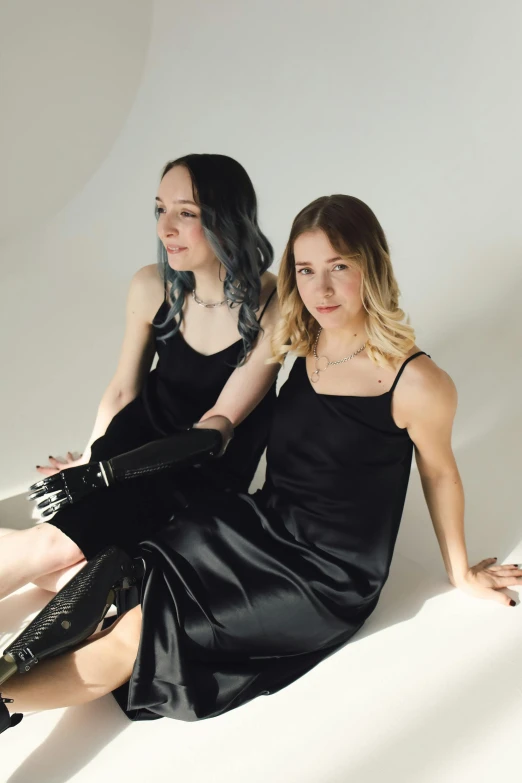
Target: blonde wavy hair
[{"x": 354, "y": 232}]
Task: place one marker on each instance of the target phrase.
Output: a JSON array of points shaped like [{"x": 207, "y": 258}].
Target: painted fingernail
[
  {"x": 512, "y": 603},
  {"x": 38, "y": 466}
]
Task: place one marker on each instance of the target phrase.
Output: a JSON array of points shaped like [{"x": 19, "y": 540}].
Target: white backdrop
[{"x": 412, "y": 106}]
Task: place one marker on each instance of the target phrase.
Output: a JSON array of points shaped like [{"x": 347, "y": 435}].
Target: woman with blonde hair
[{"x": 242, "y": 594}]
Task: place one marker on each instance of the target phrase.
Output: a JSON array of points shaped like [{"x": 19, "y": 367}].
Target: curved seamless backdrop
[{"x": 69, "y": 73}]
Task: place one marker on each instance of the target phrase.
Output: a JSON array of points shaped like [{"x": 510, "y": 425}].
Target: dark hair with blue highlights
[{"x": 226, "y": 197}]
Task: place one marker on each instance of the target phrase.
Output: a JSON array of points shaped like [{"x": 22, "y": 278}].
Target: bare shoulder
[
  {"x": 423, "y": 385},
  {"x": 148, "y": 278},
  {"x": 268, "y": 285},
  {"x": 146, "y": 291}
]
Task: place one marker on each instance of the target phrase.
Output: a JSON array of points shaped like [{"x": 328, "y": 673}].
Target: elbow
[
  {"x": 120, "y": 396},
  {"x": 441, "y": 476}
]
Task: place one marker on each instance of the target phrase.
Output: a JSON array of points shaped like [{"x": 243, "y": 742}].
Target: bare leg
[
  {"x": 27, "y": 555},
  {"x": 89, "y": 672},
  {"x": 57, "y": 579}
]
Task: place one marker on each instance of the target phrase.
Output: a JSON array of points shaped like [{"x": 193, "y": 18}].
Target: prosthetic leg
[
  {"x": 76, "y": 610},
  {"x": 73, "y": 614}
]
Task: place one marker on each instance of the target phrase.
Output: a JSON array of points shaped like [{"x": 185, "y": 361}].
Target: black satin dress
[
  {"x": 244, "y": 594},
  {"x": 184, "y": 385}
]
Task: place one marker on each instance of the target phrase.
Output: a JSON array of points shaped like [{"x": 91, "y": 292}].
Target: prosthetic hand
[{"x": 183, "y": 449}]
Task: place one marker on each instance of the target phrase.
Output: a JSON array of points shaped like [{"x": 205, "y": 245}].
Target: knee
[
  {"x": 48, "y": 539},
  {"x": 126, "y": 633}
]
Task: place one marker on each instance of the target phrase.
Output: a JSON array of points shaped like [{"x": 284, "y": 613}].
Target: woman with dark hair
[
  {"x": 208, "y": 310},
  {"x": 241, "y": 595}
]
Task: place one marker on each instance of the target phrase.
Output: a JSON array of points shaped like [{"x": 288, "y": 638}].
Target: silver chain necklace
[
  {"x": 318, "y": 368},
  {"x": 206, "y": 304}
]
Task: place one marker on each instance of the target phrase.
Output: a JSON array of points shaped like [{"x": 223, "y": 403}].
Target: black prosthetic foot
[
  {"x": 7, "y": 720},
  {"x": 74, "y": 613}
]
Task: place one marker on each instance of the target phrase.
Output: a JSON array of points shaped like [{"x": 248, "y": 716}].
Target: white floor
[{"x": 430, "y": 691}]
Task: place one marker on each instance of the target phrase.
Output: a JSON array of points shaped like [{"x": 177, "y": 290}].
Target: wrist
[
  {"x": 107, "y": 472},
  {"x": 457, "y": 579},
  {"x": 221, "y": 424}
]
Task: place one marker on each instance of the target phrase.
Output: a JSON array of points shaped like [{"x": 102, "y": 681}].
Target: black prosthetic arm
[
  {"x": 190, "y": 447},
  {"x": 185, "y": 448}
]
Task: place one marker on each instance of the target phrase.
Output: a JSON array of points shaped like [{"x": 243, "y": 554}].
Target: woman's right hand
[{"x": 56, "y": 464}]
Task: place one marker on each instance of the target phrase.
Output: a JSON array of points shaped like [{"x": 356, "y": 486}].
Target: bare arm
[
  {"x": 432, "y": 407},
  {"x": 431, "y": 413},
  {"x": 248, "y": 384},
  {"x": 137, "y": 352}
]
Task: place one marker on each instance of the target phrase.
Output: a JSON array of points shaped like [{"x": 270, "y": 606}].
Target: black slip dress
[
  {"x": 245, "y": 593},
  {"x": 184, "y": 385}
]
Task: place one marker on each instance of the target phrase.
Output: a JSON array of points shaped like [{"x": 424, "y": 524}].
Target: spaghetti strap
[
  {"x": 266, "y": 305},
  {"x": 414, "y": 356}
]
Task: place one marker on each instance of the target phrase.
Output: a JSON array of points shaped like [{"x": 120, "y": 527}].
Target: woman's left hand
[
  {"x": 485, "y": 579},
  {"x": 70, "y": 486}
]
